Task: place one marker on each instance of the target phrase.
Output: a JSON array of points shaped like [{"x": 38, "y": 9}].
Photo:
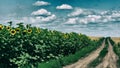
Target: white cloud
[
  {"x": 64, "y": 6},
  {"x": 90, "y": 18},
  {"x": 39, "y": 19},
  {"x": 71, "y": 21},
  {"x": 90, "y": 15},
  {"x": 41, "y": 12},
  {"x": 41, "y": 3},
  {"x": 41, "y": 15},
  {"x": 80, "y": 11},
  {"x": 46, "y": 19},
  {"x": 115, "y": 14},
  {"x": 85, "y": 20},
  {"x": 76, "y": 12}
]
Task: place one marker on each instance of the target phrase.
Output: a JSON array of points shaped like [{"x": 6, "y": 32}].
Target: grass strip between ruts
[
  {"x": 117, "y": 51},
  {"x": 99, "y": 59}
]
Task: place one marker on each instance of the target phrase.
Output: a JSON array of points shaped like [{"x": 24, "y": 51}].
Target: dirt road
[
  {"x": 83, "y": 63},
  {"x": 110, "y": 59}
]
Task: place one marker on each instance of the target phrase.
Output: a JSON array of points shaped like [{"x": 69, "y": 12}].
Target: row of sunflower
[
  {"x": 23, "y": 45},
  {"x": 13, "y": 31}
]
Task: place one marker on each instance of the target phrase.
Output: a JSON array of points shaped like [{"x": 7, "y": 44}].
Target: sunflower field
[{"x": 23, "y": 45}]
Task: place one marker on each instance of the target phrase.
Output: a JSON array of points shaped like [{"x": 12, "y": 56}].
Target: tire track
[{"x": 110, "y": 59}]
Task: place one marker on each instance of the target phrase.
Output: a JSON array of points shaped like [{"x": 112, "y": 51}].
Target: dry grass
[
  {"x": 94, "y": 38},
  {"x": 116, "y": 39}
]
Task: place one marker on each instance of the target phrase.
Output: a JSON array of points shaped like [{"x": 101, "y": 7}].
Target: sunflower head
[
  {"x": 1, "y": 27},
  {"x": 17, "y": 29},
  {"x": 13, "y": 32},
  {"x": 8, "y": 27},
  {"x": 29, "y": 30},
  {"x": 65, "y": 36}
]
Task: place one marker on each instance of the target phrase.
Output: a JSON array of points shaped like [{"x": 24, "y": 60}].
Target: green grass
[
  {"x": 73, "y": 58},
  {"x": 68, "y": 59},
  {"x": 117, "y": 51},
  {"x": 50, "y": 64},
  {"x": 99, "y": 59}
]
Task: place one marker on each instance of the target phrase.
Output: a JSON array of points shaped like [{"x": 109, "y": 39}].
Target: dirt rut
[
  {"x": 83, "y": 63},
  {"x": 110, "y": 59}
]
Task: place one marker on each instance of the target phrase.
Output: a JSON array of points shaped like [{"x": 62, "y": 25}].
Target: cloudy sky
[{"x": 90, "y": 17}]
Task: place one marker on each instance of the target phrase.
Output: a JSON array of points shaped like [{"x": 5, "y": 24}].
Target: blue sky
[
  {"x": 11, "y": 6},
  {"x": 81, "y": 16}
]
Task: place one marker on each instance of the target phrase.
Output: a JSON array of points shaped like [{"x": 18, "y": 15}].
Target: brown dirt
[
  {"x": 83, "y": 63},
  {"x": 110, "y": 59}
]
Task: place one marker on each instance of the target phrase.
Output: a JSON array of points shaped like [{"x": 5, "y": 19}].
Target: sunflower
[
  {"x": 29, "y": 30},
  {"x": 65, "y": 36},
  {"x": 8, "y": 27},
  {"x": 1, "y": 27},
  {"x": 13, "y": 32},
  {"x": 17, "y": 29}
]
